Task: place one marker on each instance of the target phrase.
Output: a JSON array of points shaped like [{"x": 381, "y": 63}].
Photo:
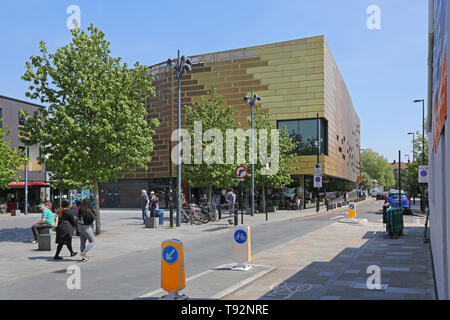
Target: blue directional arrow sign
[
  {"x": 351, "y": 206},
  {"x": 240, "y": 236},
  {"x": 170, "y": 254}
]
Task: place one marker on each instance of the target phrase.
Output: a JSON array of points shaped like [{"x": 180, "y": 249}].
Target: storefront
[{"x": 14, "y": 197}]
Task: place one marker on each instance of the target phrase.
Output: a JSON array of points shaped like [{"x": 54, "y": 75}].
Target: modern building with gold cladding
[{"x": 296, "y": 80}]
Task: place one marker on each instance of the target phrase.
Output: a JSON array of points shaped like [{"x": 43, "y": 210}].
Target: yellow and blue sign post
[
  {"x": 172, "y": 269},
  {"x": 241, "y": 247},
  {"x": 351, "y": 210}
]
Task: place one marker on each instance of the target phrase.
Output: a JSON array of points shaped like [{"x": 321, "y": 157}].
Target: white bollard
[{"x": 241, "y": 248}]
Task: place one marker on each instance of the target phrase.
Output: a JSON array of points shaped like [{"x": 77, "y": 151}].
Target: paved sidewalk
[
  {"x": 123, "y": 233},
  {"x": 332, "y": 264}
]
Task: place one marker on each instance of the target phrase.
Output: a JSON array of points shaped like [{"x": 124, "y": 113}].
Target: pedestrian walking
[
  {"x": 145, "y": 204},
  {"x": 77, "y": 207},
  {"x": 231, "y": 199},
  {"x": 65, "y": 229},
  {"x": 154, "y": 203},
  {"x": 85, "y": 221},
  {"x": 46, "y": 222}
]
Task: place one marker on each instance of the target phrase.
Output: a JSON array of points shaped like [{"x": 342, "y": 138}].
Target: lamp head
[
  {"x": 418, "y": 100},
  {"x": 247, "y": 99},
  {"x": 170, "y": 63},
  {"x": 189, "y": 61}
]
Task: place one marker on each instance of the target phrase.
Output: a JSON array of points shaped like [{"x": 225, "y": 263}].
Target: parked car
[
  {"x": 382, "y": 196},
  {"x": 394, "y": 200}
]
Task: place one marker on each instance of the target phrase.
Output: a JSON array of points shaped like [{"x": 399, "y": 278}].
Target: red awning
[{"x": 21, "y": 184}]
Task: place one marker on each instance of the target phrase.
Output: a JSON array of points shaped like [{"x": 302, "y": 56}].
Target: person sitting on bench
[{"x": 45, "y": 222}]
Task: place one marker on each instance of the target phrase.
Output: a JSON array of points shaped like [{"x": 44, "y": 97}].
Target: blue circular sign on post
[
  {"x": 317, "y": 179},
  {"x": 423, "y": 173},
  {"x": 240, "y": 236},
  {"x": 170, "y": 254},
  {"x": 351, "y": 206}
]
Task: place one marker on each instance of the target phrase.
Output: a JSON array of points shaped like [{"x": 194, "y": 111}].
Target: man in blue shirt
[
  {"x": 46, "y": 222},
  {"x": 145, "y": 203}
]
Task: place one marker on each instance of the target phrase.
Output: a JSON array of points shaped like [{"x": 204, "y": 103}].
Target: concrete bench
[
  {"x": 45, "y": 238},
  {"x": 152, "y": 222}
]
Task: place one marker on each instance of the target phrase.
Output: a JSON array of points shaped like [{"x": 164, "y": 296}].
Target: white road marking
[{"x": 337, "y": 217}]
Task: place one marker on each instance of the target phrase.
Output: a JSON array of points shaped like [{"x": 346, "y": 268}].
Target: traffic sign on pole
[
  {"x": 318, "y": 176},
  {"x": 423, "y": 174},
  {"x": 241, "y": 172}
]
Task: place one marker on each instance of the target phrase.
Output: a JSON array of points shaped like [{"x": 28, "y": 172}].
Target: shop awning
[{"x": 21, "y": 184}]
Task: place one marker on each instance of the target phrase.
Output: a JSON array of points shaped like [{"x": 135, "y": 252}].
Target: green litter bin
[{"x": 395, "y": 222}]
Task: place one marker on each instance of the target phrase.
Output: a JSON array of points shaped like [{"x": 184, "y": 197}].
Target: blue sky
[{"x": 385, "y": 70}]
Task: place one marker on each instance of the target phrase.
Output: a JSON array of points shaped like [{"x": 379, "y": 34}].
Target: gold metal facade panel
[{"x": 293, "y": 78}]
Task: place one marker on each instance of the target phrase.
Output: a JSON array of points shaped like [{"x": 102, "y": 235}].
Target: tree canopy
[
  {"x": 95, "y": 127},
  {"x": 375, "y": 166}
]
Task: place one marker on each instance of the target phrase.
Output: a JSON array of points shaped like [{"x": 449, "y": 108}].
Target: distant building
[
  {"x": 395, "y": 166},
  {"x": 15, "y": 194}
]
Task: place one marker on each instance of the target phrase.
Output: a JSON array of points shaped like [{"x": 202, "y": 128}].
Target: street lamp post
[
  {"x": 26, "y": 183},
  {"x": 414, "y": 151},
  {"x": 251, "y": 101},
  {"x": 414, "y": 138},
  {"x": 318, "y": 161},
  {"x": 180, "y": 65},
  {"x": 422, "y": 198},
  {"x": 360, "y": 183}
]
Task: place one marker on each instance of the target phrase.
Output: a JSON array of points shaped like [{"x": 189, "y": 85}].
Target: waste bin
[
  {"x": 395, "y": 222},
  {"x": 160, "y": 213}
]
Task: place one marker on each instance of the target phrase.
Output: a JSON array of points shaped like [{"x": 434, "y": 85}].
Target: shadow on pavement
[
  {"x": 404, "y": 264},
  {"x": 24, "y": 235}
]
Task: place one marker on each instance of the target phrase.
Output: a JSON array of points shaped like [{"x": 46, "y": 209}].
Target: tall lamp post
[
  {"x": 26, "y": 182},
  {"x": 360, "y": 183},
  {"x": 414, "y": 151},
  {"x": 414, "y": 138},
  {"x": 422, "y": 198},
  {"x": 251, "y": 101},
  {"x": 180, "y": 65}
]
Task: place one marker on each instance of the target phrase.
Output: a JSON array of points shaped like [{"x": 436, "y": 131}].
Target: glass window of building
[{"x": 305, "y": 133}]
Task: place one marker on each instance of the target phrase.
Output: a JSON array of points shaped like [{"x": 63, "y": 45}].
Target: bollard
[
  {"x": 241, "y": 248},
  {"x": 172, "y": 269},
  {"x": 352, "y": 210}
]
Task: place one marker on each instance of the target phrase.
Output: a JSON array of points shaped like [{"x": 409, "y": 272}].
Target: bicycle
[{"x": 190, "y": 214}]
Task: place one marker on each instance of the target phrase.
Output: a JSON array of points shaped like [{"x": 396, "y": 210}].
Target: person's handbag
[{"x": 55, "y": 222}]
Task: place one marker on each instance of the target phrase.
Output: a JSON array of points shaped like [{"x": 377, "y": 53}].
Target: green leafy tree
[
  {"x": 420, "y": 146},
  {"x": 366, "y": 182},
  {"x": 10, "y": 160},
  {"x": 94, "y": 128},
  {"x": 377, "y": 167},
  {"x": 286, "y": 155},
  {"x": 212, "y": 115}
]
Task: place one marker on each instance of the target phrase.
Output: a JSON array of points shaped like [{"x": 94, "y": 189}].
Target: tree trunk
[
  {"x": 98, "y": 224},
  {"x": 210, "y": 194}
]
